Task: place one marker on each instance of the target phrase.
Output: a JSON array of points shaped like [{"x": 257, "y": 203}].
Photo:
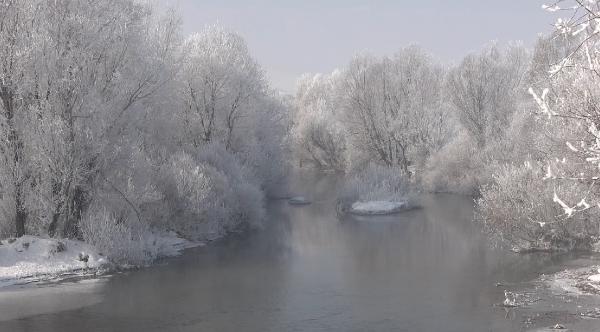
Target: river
[{"x": 427, "y": 269}]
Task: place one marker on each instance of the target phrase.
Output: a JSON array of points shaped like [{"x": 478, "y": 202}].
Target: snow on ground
[
  {"x": 579, "y": 281},
  {"x": 377, "y": 207},
  {"x": 594, "y": 277},
  {"x": 30, "y": 259}
]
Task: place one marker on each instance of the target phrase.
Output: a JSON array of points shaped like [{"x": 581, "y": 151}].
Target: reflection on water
[
  {"x": 23, "y": 301},
  {"x": 424, "y": 270}
]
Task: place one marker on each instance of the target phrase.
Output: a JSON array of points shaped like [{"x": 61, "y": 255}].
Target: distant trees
[
  {"x": 393, "y": 106},
  {"x": 484, "y": 90},
  {"x": 408, "y": 112},
  {"x": 531, "y": 160},
  {"x": 387, "y": 110},
  {"x": 319, "y": 136}
]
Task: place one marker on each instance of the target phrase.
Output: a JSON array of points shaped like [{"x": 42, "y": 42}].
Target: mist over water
[{"x": 424, "y": 270}]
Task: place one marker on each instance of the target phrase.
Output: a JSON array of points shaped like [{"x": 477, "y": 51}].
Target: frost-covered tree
[
  {"x": 393, "y": 106},
  {"x": 569, "y": 101},
  {"x": 551, "y": 200},
  {"x": 219, "y": 83},
  {"x": 17, "y": 21},
  {"x": 319, "y": 136},
  {"x": 264, "y": 146},
  {"x": 96, "y": 62},
  {"x": 484, "y": 90}
]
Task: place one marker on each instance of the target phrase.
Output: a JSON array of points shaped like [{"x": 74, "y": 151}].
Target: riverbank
[{"x": 31, "y": 259}]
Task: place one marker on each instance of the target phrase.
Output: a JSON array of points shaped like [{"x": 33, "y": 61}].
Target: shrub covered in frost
[
  {"x": 123, "y": 240},
  {"x": 518, "y": 210},
  {"x": 266, "y": 152},
  {"x": 375, "y": 183},
  {"x": 210, "y": 193},
  {"x": 320, "y": 141},
  {"x": 458, "y": 167},
  {"x": 244, "y": 200}
]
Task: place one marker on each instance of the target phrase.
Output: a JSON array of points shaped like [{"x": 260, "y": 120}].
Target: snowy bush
[
  {"x": 124, "y": 241},
  {"x": 243, "y": 198},
  {"x": 322, "y": 143},
  {"x": 266, "y": 151},
  {"x": 519, "y": 211},
  {"x": 456, "y": 168},
  {"x": 210, "y": 193},
  {"x": 193, "y": 193},
  {"x": 375, "y": 183}
]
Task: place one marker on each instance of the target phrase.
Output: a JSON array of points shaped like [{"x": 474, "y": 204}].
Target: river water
[{"x": 427, "y": 269}]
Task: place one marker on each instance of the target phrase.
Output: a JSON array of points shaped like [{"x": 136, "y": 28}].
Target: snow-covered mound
[
  {"x": 298, "y": 200},
  {"x": 377, "y": 207},
  {"x": 30, "y": 258},
  {"x": 595, "y": 277}
]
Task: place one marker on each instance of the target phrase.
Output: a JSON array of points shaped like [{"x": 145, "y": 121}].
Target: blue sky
[{"x": 289, "y": 38}]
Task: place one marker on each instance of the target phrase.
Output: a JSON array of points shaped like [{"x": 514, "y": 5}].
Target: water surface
[{"x": 423, "y": 270}]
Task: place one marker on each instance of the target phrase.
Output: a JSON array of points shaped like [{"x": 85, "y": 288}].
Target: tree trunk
[
  {"x": 74, "y": 213},
  {"x": 14, "y": 141},
  {"x": 21, "y": 213}
]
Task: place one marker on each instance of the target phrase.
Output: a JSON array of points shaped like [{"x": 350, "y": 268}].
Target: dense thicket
[{"x": 111, "y": 125}]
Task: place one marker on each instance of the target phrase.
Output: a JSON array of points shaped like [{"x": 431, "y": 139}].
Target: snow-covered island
[
  {"x": 375, "y": 190},
  {"x": 372, "y": 208},
  {"x": 299, "y": 200}
]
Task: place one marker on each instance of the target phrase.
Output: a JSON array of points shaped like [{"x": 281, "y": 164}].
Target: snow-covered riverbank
[{"x": 32, "y": 259}]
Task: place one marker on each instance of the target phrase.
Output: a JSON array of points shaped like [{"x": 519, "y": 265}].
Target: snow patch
[
  {"x": 594, "y": 278},
  {"x": 299, "y": 200},
  {"x": 377, "y": 207},
  {"x": 29, "y": 258},
  {"x": 580, "y": 281}
]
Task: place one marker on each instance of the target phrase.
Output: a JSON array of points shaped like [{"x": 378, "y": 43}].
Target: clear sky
[{"x": 289, "y": 38}]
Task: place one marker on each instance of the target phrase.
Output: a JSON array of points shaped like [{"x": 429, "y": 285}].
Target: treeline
[
  {"x": 112, "y": 124},
  {"x": 515, "y": 128},
  {"x": 405, "y": 111}
]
